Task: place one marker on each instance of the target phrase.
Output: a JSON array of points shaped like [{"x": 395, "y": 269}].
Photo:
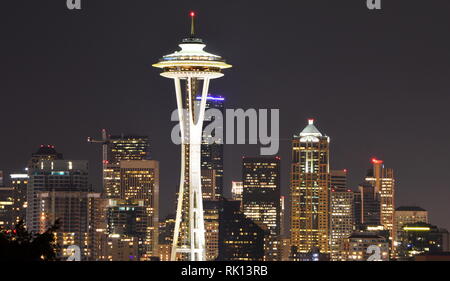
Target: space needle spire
[{"x": 192, "y": 69}]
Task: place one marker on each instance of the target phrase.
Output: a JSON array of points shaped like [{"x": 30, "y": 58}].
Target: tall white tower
[{"x": 191, "y": 68}]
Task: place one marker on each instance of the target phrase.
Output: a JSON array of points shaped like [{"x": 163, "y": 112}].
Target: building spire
[{"x": 192, "y": 14}]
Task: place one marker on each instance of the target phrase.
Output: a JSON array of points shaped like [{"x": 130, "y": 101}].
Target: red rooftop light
[
  {"x": 377, "y": 161},
  {"x": 192, "y": 14}
]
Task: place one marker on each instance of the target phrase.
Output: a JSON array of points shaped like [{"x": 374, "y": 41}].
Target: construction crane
[{"x": 104, "y": 141}]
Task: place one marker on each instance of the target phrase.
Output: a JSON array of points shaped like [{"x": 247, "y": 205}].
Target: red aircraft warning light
[{"x": 377, "y": 161}]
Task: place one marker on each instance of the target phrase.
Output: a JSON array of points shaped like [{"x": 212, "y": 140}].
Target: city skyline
[{"x": 391, "y": 132}]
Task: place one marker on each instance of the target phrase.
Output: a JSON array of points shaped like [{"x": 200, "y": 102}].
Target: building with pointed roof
[{"x": 310, "y": 190}]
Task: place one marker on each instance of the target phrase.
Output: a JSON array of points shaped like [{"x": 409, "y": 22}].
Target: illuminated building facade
[
  {"x": 6, "y": 208},
  {"x": 121, "y": 248},
  {"x": 408, "y": 215},
  {"x": 212, "y": 152},
  {"x": 211, "y": 215},
  {"x": 135, "y": 214},
  {"x": 20, "y": 184},
  {"x": 285, "y": 249},
  {"x": 166, "y": 228},
  {"x": 53, "y": 175},
  {"x": 63, "y": 194},
  {"x": 209, "y": 184},
  {"x": 261, "y": 199},
  {"x": 98, "y": 232},
  {"x": 420, "y": 238},
  {"x": 366, "y": 206},
  {"x": 310, "y": 190},
  {"x": 341, "y": 213},
  {"x": 382, "y": 179},
  {"x": 240, "y": 239},
  {"x": 236, "y": 190},
  {"x": 192, "y": 69},
  {"x": 128, "y": 147},
  {"x": 121, "y": 148},
  {"x": 355, "y": 247},
  {"x": 45, "y": 152}
]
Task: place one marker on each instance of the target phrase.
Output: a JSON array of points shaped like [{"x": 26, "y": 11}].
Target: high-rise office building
[
  {"x": 382, "y": 179},
  {"x": 45, "y": 152},
  {"x": 53, "y": 175},
  {"x": 341, "y": 212},
  {"x": 261, "y": 198},
  {"x": 131, "y": 185},
  {"x": 236, "y": 190},
  {"x": 310, "y": 190},
  {"x": 366, "y": 206},
  {"x": 121, "y": 248},
  {"x": 62, "y": 193},
  {"x": 19, "y": 183},
  {"x": 127, "y": 147},
  {"x": 212, "y": 151},
  {"x": 211, "y": 215},
  {"x": 408, "y": 215},
  {"x": 240, "y": 239},
  {"x": 135, "y": 213},
  {"x": 6, "y": 208},
  {"x": 209, "y": 184},
  {"x": 341, "y": 219},
  {"x": 121, "y": 148},
  {"x": 98, "y": 228},
  {"x": 282, "y": 216},
  {"x": 420, "y": 237},
  {"x": 192, "y": 69},
  {"x": 166, "y": 227},
  {"x": 356, "y": 246}
]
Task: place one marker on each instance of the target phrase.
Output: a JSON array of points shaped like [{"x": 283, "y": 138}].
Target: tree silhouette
[{"x": 20, "y": 245}]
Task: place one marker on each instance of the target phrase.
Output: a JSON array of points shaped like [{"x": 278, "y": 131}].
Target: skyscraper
[
  {"x": 212, "y": 152},
  {"x": 45, "y": 152},
  {"x": 366, "y": 206},
  {"x": 236, "y": 190},
  {"x": 62, "y": 192},
  {"x": 355, "y": 246},
  {"x": 127, "y": 147},
  {"x": 212, "y": 210},
  {"x": 420, "y": 237},
  {"x": 261, "y": 199},
  {"x": 194, "y": 68},
  {"x": 135, "y": 212},
  {"x": 119, "y": 148},
  {"x": 310, "y": 190},
  {"x": 240, "y": 239},
  {"x": 341, "y": 212},
  {"x": 382, "y": 179},
  {"x": 6, "y": 208},
  {"x": 19, "y": 182},
  {"x": 408, "y": 215}
]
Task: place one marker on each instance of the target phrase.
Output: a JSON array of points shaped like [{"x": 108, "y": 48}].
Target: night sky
[{"x": 377, "y": 82}]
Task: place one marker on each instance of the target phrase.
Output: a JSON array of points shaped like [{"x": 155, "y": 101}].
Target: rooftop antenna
[{"x": 192, "y": 14}]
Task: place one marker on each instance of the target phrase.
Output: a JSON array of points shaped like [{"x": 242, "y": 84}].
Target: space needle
[{"x": 192, "y": 69}]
